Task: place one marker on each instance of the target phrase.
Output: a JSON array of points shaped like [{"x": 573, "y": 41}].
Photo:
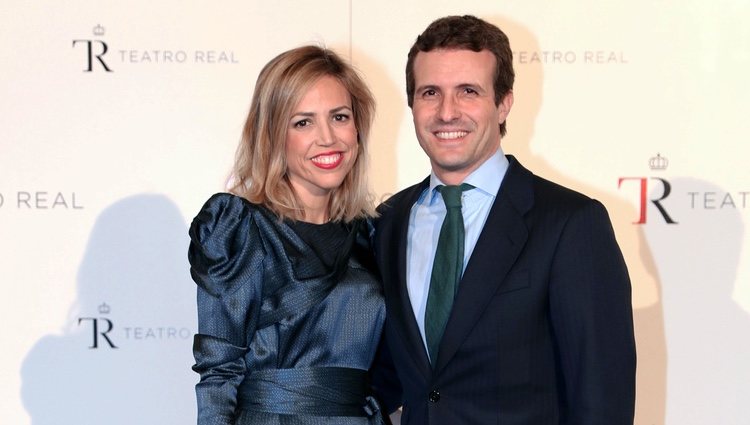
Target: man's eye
[{"x": 428, "y": 93}]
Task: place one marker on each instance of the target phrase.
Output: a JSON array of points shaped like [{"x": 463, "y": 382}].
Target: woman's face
[{"x": 321, "y": 141}]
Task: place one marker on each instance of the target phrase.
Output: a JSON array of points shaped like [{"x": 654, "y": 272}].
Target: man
[{"x": 539, "y": 331}]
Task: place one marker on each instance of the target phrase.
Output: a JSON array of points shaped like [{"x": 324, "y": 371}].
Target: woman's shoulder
[
  {"x": 220, "y": 214},
  {"x": 223, "y": 233},
  {"x": 227, "y": 203}
]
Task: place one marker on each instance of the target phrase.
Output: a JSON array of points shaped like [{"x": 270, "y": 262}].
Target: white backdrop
[{"x": 106, "y": 156}]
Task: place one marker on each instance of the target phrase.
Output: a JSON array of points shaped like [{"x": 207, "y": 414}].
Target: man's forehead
[{"x": 454, "y": 63}]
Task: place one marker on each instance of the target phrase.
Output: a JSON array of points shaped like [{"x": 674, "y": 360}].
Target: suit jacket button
[{"x": 434, "y": 396}]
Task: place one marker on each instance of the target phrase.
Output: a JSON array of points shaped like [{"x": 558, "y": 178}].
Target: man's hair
[
  {"x": 466, "y": 33},
  {"x": 260, "y": 169}
]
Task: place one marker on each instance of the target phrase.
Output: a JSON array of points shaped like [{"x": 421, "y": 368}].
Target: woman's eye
[
  {"x": 302, "y": 123},
  {"x": 340, "y": 117}
]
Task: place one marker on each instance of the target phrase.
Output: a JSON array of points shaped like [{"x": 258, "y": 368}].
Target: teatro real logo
[
  {"x": 657, "y": 163},
  {"x": 99, "y": 55},
  {"x": 104, "y": 333},
  {"x": 94, "y": 50},
  {"x": 690, "y": 194}
]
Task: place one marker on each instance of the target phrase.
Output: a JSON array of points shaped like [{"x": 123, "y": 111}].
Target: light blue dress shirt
[{"x": 427, "y": 216}]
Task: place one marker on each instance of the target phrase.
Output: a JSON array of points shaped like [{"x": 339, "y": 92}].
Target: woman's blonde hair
[{"x": 260, "y": 167}]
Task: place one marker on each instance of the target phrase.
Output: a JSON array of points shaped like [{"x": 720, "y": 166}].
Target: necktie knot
[{"x": 452, "y": 194}]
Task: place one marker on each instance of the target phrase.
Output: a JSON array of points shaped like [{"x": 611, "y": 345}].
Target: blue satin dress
[{"x": 287, "y": 326}]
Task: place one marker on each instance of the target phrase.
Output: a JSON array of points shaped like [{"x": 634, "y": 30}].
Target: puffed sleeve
[{"x": 226, "y": 256}]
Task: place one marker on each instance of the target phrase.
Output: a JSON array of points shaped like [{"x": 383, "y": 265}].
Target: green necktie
[{"x": 446, "y": 269}]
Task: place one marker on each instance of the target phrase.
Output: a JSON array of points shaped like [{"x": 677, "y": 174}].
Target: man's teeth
[{"x": 450, "y": 134}]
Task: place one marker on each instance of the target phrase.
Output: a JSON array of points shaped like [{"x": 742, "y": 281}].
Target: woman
[{"x": 289, "y": 308}]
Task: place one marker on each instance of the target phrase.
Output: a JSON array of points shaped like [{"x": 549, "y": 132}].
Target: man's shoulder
[
  {"x": 557, "y": 192},
  {"x": 546, "y": 194},
  {"x": 555, "y": 201}
]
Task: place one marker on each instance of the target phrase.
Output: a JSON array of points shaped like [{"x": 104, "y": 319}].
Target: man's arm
[{"x": 592, "y": 318}]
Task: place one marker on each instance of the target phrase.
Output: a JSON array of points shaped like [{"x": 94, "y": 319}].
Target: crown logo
[
  {"x": 99, "y": 30},
  {"x": 104, "y": 308},
  {"x": 658, "y": 162}
]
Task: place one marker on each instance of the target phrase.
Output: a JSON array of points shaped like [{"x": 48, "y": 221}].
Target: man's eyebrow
[{"x": 425, "y": 87}]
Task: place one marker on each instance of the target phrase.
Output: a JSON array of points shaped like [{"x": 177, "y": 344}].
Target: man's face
[{"x": 455, "y": 116}]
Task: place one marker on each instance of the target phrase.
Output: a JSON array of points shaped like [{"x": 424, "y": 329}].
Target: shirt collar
[{"x": 487, "y": 178}]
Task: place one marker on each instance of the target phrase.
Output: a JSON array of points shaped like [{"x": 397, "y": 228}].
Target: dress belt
[{"x": 317, "y": 391}]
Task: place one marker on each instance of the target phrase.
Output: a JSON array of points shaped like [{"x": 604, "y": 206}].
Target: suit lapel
[
  {"x": 399, "y": 304},
  {"x": 501, "y": 241}
]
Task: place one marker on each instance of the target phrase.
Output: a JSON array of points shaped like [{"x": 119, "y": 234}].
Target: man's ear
[{"x": 503, "y": 109}]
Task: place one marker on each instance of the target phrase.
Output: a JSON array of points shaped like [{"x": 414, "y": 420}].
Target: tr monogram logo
[
  {"x": 655, "y": 163},
  {"x": 101, "y": 50},
  {"x": 667, "y": 189},
  {"x": 99, "y": 323}
]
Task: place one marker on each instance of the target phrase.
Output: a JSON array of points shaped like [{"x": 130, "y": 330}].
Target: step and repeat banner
[{"x": 119, "y": 119}]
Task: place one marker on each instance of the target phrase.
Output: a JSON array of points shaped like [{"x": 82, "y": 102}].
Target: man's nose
[{"x": 448, "y": 110}]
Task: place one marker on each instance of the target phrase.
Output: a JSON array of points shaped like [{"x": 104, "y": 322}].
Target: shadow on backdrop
[
  {"x": 708, "y": 371},
  {"x": 124, "y": 353}
]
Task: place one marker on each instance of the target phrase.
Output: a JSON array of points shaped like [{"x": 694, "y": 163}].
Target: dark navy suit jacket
[{"x": 541, "y": 331}]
